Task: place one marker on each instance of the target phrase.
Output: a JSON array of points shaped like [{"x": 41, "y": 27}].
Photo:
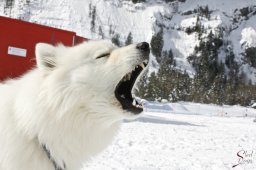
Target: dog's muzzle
[{"x": 123, "y": 91}]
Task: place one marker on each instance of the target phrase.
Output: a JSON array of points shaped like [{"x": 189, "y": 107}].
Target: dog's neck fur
[{"x": 65, "y": 152}]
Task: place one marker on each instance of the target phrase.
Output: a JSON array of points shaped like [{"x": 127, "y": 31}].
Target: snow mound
[
  {"x": 248, "y": 37},
  {"x": 200, "y": 109}
]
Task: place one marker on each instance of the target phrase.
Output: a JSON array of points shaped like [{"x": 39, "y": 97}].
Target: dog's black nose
[{"x": 143, "y": 46}]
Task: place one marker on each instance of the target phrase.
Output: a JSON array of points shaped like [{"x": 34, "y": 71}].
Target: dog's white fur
[{"x": 67, "y": 103}]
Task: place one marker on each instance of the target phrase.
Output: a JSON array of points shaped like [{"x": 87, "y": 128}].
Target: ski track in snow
[{"x": 166, "y": 141}]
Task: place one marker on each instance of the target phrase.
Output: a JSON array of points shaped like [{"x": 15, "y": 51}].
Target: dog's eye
[{"x": 103, "y": 55}]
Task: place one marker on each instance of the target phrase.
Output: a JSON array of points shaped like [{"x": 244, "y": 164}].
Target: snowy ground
[{"x": 169, "y": 141}]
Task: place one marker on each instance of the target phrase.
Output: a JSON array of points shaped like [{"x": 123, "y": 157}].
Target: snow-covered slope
[
  {"x": 117, "y": 18},
  {"x": 107, "y": 18},
  {"x": 112, "y": 16}
]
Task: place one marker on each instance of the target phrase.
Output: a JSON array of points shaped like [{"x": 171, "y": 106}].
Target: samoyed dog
[{"x": 68, "y": 108}]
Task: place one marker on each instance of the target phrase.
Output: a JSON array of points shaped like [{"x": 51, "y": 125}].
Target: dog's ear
[{"x": 45, "y": 56}]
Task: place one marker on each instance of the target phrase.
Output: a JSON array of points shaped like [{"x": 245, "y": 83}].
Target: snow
[
  {"x": 253, "y": 105},
  {"x": 248, "y": 37},
  {"x": 212, "y": 24},
  {"x": 181, "y": 48},
  {"x": 188, "y": 22},
  {"x": 182, "y": 141}
]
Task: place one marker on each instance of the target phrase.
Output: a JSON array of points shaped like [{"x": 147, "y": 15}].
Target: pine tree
[
  {"x": 129, "y": 39},
  {"x": 8, "y": 7},
  {"x": 250, "y": 56},
  {"x": 9, "y": 3},
  {"x": 101, "y": 33},
  {"x": 116, "y": 40},
  {"x": 93, "y": 16},
  {"x": 111, "y": 31},
  {"x": 137, "y": 1},
  {"x": 157, "y": 44},
  {"x": 90, "y": 10},
  {"x": 151, "y": 89}
]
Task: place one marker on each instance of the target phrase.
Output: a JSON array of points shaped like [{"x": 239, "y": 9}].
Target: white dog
[{"x": 70, "y": 106}]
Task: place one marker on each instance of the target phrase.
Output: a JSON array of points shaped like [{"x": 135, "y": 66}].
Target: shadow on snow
[{"x": 158, "y": 120}]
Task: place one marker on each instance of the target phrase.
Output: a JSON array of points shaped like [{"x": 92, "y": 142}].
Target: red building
[{"x": 17, "y": 44}]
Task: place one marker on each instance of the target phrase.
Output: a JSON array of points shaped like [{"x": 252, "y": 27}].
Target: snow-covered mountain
[{"x": 184, "y": 24}]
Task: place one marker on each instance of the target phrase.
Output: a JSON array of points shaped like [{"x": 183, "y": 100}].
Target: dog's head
[{"x": 96, "y": 74}]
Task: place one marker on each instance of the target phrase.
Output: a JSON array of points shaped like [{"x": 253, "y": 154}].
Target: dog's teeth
[
  {"x": 129, "y": 76},
  {"x": 142, "y": 65},
  {"x": 125, "y": 78},
  {"x": 134, "y": 102},
  {"x": 139, "y": 106}
]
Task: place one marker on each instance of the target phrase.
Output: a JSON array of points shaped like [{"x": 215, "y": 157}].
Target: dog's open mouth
[{"x": 123, "y": 91}]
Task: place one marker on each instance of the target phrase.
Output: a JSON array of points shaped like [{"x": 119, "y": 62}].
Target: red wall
[{"x": 20, "y": 34}]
